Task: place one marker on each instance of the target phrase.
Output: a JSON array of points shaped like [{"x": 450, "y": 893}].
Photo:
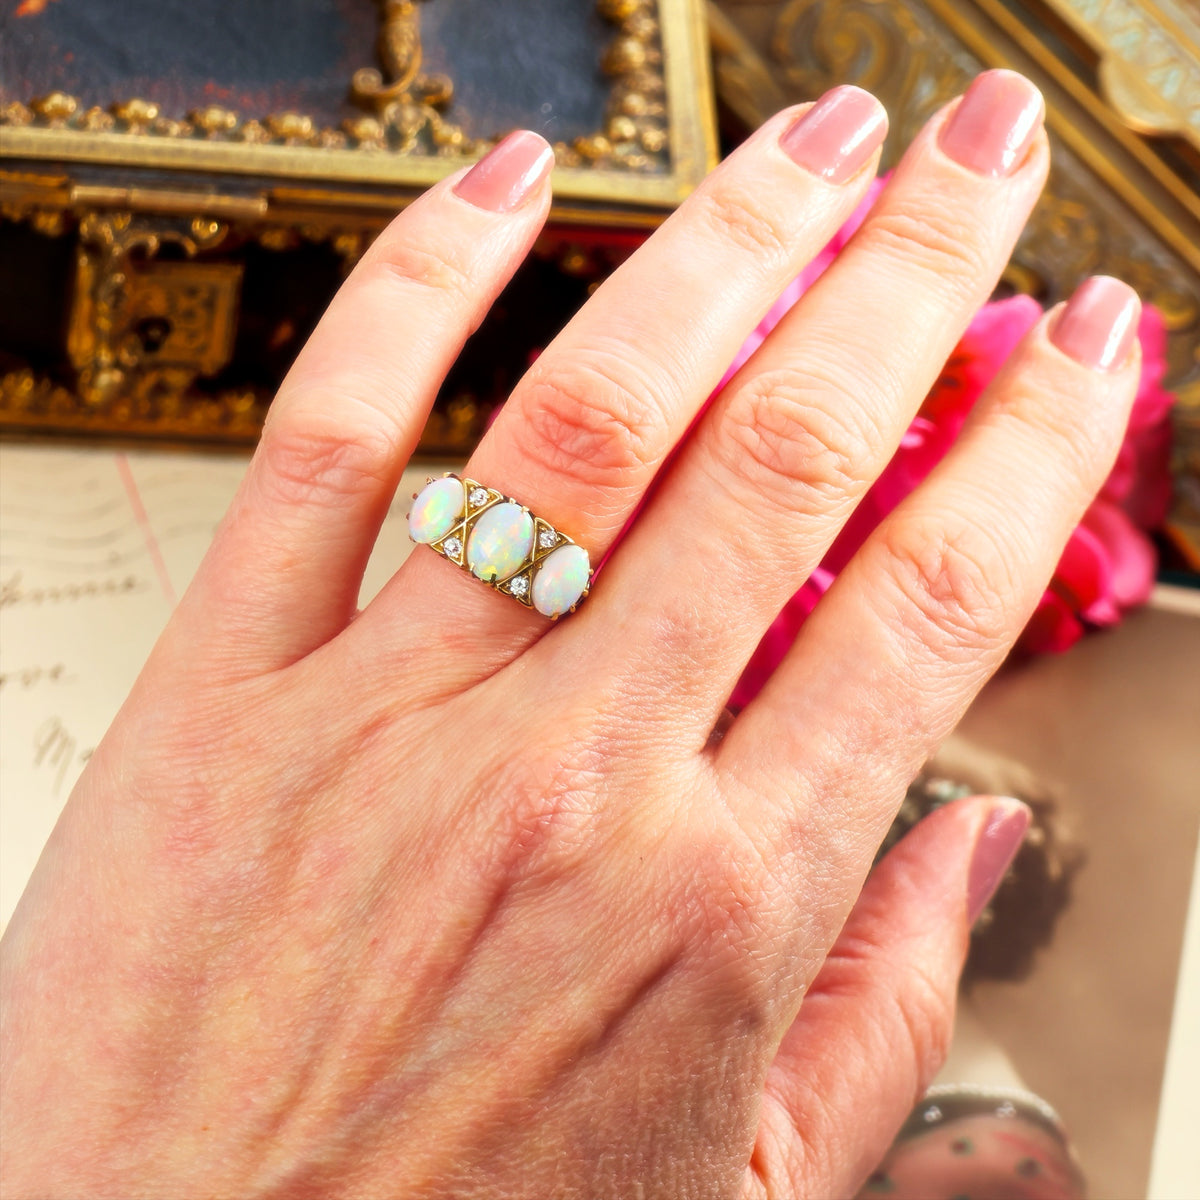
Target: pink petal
[
  {"x": 1130, "y": 555},
  {"x": 1052, "y": 629}
]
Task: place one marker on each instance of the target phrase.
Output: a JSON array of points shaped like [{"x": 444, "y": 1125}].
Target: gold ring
[{"x": 499, "y": 541}]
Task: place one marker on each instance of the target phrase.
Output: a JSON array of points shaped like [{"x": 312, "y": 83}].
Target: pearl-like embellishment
[
  {"x": 560, "y": 581},
  {"x": 500, "y": 542},
  {"x": 436, "y": 510}
]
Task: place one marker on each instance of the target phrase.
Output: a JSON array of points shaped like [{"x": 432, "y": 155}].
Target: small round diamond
[
  {"x": 452, "y": 547},
  {"x": 519, "y": 586},
  {"x": 547, "y": 538},
  {"x": 479, "y": 496}
]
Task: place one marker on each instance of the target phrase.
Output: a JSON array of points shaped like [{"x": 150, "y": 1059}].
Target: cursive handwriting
[
  {"x": 14, "y": 590},
  {"x": 28, "y": 677},
  {"x": 57, "y": 749}
]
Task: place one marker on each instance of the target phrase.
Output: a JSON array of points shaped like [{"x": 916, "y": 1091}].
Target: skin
[{"x": 440, "y": 899}]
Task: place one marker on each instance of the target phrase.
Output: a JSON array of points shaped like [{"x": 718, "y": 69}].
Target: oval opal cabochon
[
  {"x": 560, "y": 580},
  {"x": 500, "y": 541},
  {"x": 436, "y": 510}
]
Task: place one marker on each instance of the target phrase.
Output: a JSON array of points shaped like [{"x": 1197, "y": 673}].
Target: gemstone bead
[
  {"x": 560, "y": 580},
  {"x": 436, "y": 510},
  {"x": 500, "y": 542}
]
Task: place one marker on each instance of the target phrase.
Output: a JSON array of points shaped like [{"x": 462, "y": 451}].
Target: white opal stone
[
  {"x": 500, "y": 542},
  {"x": 436, "y": 510},
  {"x": 561, "y": 578}
]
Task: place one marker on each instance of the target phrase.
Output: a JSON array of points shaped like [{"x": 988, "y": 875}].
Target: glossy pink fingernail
[
  {"x": 836, "y": 138},
  {"x": 1099, "y": 324},
  {"x": 997, "y": 846},
  {"x": 505, "y": 177},
  {"x": 995, "y": 124}
]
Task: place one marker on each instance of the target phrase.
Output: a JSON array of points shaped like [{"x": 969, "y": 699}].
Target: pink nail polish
[
  {"x": 1099, "y": 324},
  {"x": 995, "y": 124},
  {"x": 997, "y": 847},
  {"x": 837, "y": 136},
  {"x": 504, "y": 177}
]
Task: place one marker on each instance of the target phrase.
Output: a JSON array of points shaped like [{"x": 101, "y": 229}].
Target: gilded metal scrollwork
[
  {"x": 404, "y": 109},
  {"x": 407, "y": 103},
  {"x": 144, "y": 333}
]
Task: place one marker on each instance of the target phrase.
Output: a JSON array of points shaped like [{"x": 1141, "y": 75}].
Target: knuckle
[
  {"x": 548, "y": 825},
  {"x": 934, "y": 240},
  {"x": 735, "y": 216},
  {"x": 1033, "y": 417},
  {"x": 306, "y": 462},
  {"x": 798, "y": 430},
  {"x": 403, "y": 264},
  {"x": 925, "y": 1011},
  {"x": 584, "y": 416},
  {"x": 954, "y": 578}
]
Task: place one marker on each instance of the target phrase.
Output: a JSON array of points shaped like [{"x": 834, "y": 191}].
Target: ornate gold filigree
[
  {"x": 404, "y": 108},
  {"x": 29, "y": 400},
  {"x": 146, "y": 331},
  {"x": 634, "y": 136},
  {"x": 409, "y": 104}
]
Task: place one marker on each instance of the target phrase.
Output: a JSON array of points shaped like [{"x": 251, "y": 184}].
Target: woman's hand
[{"x": 443, "y": 899}]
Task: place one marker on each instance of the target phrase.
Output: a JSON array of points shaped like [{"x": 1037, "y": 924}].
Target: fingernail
[
  {"x": 1099, "y": 324},
  {"x": 504, "y": 177},
  {"x": 837, "y": 136},
  {"x": 997, "y": 847},
  {"x": 995, "y": 124}
]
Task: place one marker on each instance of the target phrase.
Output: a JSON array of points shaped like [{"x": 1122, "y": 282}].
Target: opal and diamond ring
[{"x": 501, "y": 543}]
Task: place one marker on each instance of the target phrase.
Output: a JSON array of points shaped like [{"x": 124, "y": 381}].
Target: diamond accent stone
[
  {"x": 452, "y": 547},
  {"x": 519, "y": 586},
  {"x": 547, "y": 538},
  {"x": 479, "y": 496}
]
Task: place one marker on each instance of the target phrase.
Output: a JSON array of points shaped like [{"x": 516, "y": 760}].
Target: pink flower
[{"x": 1109, "y": 563}]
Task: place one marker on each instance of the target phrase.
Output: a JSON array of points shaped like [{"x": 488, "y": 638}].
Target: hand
[{"x": 444, "y": 899}]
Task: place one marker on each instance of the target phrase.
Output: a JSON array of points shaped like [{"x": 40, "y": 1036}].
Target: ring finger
[{"x": 587, "y": 428}]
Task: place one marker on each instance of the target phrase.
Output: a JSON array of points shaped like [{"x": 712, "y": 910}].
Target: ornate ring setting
[{"x": 499, "y": 541}]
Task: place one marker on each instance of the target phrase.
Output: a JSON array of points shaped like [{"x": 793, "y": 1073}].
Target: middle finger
[
  {"x": 779, "y": 462},
  {"x": 590, "y": 424}
]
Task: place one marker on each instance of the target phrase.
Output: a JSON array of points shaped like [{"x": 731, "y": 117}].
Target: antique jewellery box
[{"x": 183, "y": 186}]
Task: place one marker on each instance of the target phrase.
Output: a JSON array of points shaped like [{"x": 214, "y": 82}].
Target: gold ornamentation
[
  {"x": 29, "y": 401},
  {"x": 744, "y": 82},
  {"x": 148, "y": 329},
  {"x": 1149, "y": 61},
  {"x": 646, "y": 167},
  {"x": 404, "y": 108}
]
